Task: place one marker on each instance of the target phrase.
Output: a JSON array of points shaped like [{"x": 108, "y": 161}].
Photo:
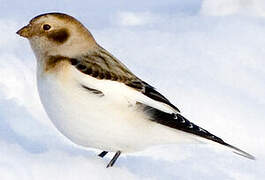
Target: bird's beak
[{"x": 25, "y": 31}]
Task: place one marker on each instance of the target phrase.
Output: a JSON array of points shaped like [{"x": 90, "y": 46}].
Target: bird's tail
[
  {"x": 203, "y": 134},
  {"x": 177, "y": 121},
  {"x": 239, "y": 151}
]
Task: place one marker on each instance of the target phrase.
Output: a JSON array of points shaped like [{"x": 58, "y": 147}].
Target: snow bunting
[{"x": 95, "y": 100}]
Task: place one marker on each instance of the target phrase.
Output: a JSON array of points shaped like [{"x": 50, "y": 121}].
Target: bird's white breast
[{"x": 111, "y": 122}]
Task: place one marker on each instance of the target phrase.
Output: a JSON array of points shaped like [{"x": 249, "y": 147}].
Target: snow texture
[{"x": 207, "y": 57}]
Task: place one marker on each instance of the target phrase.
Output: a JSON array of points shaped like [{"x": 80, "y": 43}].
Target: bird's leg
[
  {"x": 103, "y": 153},
  {"x": 113, "y": 160}
]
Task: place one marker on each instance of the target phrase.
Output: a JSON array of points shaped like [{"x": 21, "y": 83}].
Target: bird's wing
[
  {"x": 177, "y": 121},
  {"x": 102, "y": 65}
]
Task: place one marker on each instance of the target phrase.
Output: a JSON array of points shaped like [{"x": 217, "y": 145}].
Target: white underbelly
[{"x": 100, "y": 122}]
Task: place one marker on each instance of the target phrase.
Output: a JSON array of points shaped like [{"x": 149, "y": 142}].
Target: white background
[{"x": 207, "y": 57}]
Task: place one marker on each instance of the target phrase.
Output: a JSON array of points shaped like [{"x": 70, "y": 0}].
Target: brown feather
[{"x": 102, "y": 65}]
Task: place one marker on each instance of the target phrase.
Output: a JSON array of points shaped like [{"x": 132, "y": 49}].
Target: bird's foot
[
  {"x": 113, "y": 160},
  {"x": 103, "y": 153}
]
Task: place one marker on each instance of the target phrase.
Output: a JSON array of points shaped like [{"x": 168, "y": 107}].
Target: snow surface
[{"x": 207, "y": 58}]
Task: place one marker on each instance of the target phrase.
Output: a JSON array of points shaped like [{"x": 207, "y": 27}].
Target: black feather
[{"x": 177, "y": 121}]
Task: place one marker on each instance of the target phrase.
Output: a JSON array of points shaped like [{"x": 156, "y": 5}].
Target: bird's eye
[{"x": 46, "y": 27}]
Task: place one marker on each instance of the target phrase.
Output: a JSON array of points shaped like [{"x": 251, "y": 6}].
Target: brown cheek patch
[{"x": 59, "y": 36}]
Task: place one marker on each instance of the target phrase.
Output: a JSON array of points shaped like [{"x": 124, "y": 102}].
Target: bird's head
[{"x": 57, "y": 34}]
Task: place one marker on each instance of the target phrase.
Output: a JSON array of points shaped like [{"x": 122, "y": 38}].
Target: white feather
[{"x": 111, "y": 122}]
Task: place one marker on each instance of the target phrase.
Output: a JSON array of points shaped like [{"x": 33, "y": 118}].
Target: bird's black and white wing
[
  {"x": 177, "y": 121},
  {"x": 103, "y": 66}
]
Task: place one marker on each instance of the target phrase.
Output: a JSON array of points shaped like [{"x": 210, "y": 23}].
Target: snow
[
  {"x": 207, "y": 58},
  {"x": 228, "y": 7}
]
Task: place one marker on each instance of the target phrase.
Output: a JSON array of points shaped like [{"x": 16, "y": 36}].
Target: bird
[{"x": 94, "y": 100}]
